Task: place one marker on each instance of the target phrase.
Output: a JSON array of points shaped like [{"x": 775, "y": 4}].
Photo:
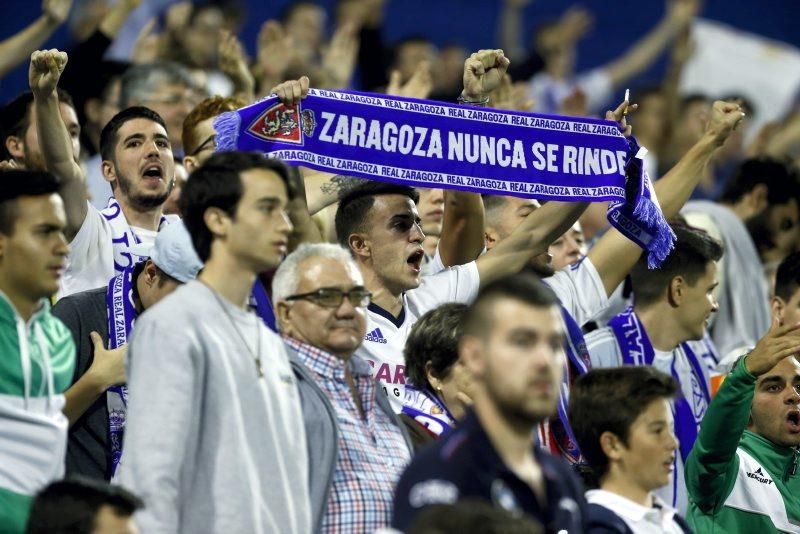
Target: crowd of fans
[{"x": 200, "y": 341}]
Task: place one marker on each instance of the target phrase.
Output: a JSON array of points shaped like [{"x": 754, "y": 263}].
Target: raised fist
[
  {"x": 483, "y": 72},
  {"x": 45, "y": 70}
]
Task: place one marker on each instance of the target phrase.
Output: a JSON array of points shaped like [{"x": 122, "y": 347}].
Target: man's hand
[
  {"x": 233, "y": 63},
  {"x": 619, "y": 116},
  {"x": 108, "y": 366},
  {"x": 274, "y": 50},
  {"x": 291, "y": 92},
  {"x": 483, "y": 72},
  {"x": 724, "y": 118},
  {"x": 56, "y": 11},
  {"x": 778, "y": 343},
  {"x": 339, "y": 59},
  {"x": 419, "y": 85},
  {"x": 45, "y": 71}
]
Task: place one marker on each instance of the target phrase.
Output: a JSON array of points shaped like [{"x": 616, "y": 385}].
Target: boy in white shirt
[{"x": 623, "y": 423}]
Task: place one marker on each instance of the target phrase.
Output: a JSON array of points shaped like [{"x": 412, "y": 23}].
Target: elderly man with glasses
[{"x": 357, "y": 447}]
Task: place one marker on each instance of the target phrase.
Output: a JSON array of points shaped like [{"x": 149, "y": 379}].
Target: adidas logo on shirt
[
  {"x": 759, "y": 475},
  {"x": 375, "y": 336}
]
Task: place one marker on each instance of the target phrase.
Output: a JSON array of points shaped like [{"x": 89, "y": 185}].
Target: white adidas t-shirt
[
  {"x": 604, "y": 351},
  {"x": 386, "y": 336},
  {"x": 90, "y": 263}
]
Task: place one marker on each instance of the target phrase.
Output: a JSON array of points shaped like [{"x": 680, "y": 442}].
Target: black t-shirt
[
  {"x": 88, "y": 451},
  {"x": 464, "y": 464}
]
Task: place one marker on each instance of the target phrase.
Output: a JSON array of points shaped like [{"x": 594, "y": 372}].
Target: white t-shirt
[
  {"x": 604, "y": 351},
  {"x": 94, "y": 249},
  {"x": 386, "y": 335},
  {"x": 642, "y": 520},
  {"x": 580, "y": 290}
]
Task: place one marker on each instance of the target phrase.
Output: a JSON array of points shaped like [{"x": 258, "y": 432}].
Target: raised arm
[
  {"x": 45, "y": 70},
  {"x": 529, "y": 239},
  {"x": 17, "y": 48},
  {"x": 462, "y": 239},
  {"x": 614, "y": 255},
  {"x": 644, "y": 51},
  {"x": 710, "y": 467}
]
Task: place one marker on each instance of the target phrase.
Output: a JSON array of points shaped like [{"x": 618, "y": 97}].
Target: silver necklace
[{"x": 256, "y": 357}]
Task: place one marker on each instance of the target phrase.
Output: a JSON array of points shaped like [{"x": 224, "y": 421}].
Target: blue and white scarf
[
  {"x": 121, "y": 315},
  {"x": 427, "y": 409},
  {"x": 558, "y": 435},
  {"x": 122, "y": 235},
  {"x": 433, "y": 144},
  {"x": 638, "y": 350}
]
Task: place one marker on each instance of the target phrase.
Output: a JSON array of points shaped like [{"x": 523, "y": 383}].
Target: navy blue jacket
[{"x": 464, "y": 464}]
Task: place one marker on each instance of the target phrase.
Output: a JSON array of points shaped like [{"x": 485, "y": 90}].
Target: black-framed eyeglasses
[
  {"x": 331, "y": 297},
  {"x": 211, "y": 143}
]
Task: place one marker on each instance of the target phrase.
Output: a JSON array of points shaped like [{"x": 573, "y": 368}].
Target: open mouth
[
  {"x": 153, "y": 171},
  {"x": 793, "y": 421},
  {"x": 415, "y": 260}
]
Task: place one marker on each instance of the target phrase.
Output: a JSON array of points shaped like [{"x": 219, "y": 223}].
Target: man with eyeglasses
[{"x": 359, "y": 445}]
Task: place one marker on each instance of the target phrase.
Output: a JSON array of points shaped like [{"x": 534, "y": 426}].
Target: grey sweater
[{"x": 209, "y": 445}]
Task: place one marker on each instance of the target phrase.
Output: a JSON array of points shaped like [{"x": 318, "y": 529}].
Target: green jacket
[
  {"x": 37, "y": 361},
  {"x": 739, "y": 481}
]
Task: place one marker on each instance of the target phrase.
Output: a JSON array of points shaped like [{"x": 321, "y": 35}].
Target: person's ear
[
  {"x": 676, "y": 291},
  {"x": 490, "y": 238},
  {"x": 150, "y": 273},
  {"x": 611, "y": 445},
  {"x": 16, "y": 147},
  {"x": 190, "y": 163},
  {"x": 360, "y": 245},
  {"x": 217, "y": 221},
  {"x": 109, "y": 171},
  {"x": 282, "y": 312},
  {"x": 755, "y": 201},
  {"x": 433, "y": 380},
  {"x": 777, "y": 307}
]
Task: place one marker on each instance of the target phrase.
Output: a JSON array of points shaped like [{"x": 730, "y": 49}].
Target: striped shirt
[{"x": 372, "y": 450}]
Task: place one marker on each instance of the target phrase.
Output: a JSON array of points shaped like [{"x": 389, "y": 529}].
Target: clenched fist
[
  {"x": 45, "y": 71},
  {"x": 483, "y": 72}
]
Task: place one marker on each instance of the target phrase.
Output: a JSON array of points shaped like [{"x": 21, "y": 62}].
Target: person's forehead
[
  {"x": 34, "y": 210},
  {"x": 140, "y": 126},
  {"x": 205, "y": 128},
  {"x": 320, "y": 271},
  {"x": 787, "y": 369},
  {"x": 262, "y": 184},
  {"x": 394, "y": 204},
  {"x": 513, "y": 314}
]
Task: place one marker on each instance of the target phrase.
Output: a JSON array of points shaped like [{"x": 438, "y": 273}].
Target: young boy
[{"x": 623, "y": 424}]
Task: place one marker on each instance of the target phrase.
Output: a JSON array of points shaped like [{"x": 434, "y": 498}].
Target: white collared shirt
[{"x": 641, "y": 520}]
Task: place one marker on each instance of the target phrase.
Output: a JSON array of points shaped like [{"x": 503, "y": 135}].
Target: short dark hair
[
  {"x": 610, "y": 400},
  {"x": 21, "y": 183},
  {"x": 693, "y": 250},
  {"x": 353, "y": 208},
  {"x": 434, "y": 338},
  {"x": 218, "y": 184},
  {"x": 15, "y": 117},
  {"x": 524, "y": 287},
  {"x": 471, "y": 516},
  {"x": 787, "y": 279},
  {"x": 780, "y": 179},
  {"x": 71, "y": 505},
  {"x": 108, "y": 137}
]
